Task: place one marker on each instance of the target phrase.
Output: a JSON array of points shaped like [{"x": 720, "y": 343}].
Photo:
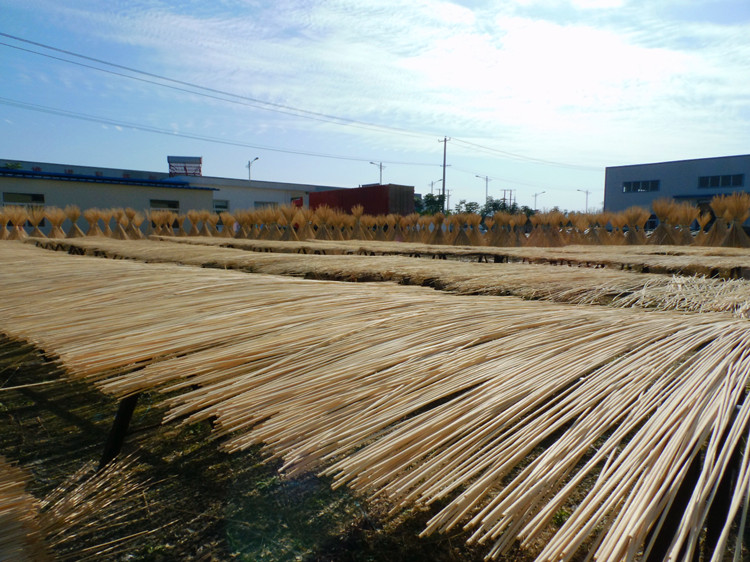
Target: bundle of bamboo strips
[
  {"x": 84, "y": 506},
  {"x": 35, "y": 217},
  {"x": 17, "y": 215},
  {"x": 56, "y": 217},
  {"x": 420, "y": 397},
  {"x": 20, "y": 537},
  {"x": 73, "y": 213},
  {"x": 106, "y": 217},
  {"x": 736, "y": 213}
]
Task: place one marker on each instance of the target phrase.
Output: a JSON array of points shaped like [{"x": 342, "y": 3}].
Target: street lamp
[
  {"x": 250, "y": 167},
  {"x": 432, "y": 185},
  {"x": 535, "y": 196},
  {"x": 486, "y": 189},
  {"x": 587, "y": 197},
  {"x": 379, "y": 165}
]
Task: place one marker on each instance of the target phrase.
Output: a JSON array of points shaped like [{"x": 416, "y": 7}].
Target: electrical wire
[
  {"x": 230, "y": 97},
  {"x": 150, "y": 129},
  {"x": 214, "y": 92}
]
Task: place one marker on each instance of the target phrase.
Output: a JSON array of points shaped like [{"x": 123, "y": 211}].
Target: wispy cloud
[{"x": 547, "y": 76}]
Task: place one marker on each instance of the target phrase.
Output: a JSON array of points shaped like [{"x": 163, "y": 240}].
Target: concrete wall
[
  {"x": 105, "y": 195},
  {"x": 679, "y": 179},
  {"x": 245, "y": 194}
]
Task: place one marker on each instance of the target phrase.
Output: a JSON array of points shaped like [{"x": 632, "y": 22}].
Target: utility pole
[
  {"x": 250, "y": 167},
  {"x": 587, "y": 192},
  {"x": 445, "y": 147},
  {"x": 486, "y": 187},
  {"x": 379, "y": 165},
  {"x": 449, "y": 198},
  {"x": 535, "y": 196},
  {"x": 432, "y": 185}
]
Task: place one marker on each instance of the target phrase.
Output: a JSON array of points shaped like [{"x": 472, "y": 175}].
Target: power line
[
  {"x": 528, "y": 158},
  {"x": 238, "y": 98},
  {"x": 214, "y": 93},
  {"x": 150, "y": 129}
]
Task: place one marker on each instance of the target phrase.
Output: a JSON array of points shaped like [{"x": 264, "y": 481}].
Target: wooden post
[{"x": 119, "y": 429}]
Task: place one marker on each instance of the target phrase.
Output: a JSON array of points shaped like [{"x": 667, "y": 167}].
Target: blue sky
[{"x": 539, "y": 95}]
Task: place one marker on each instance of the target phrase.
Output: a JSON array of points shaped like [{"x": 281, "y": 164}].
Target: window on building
[
  {"x": 221, "y": 206},
  {"x": 24, "y": 199},
  {"x": 262, "y": 204},
  {"x": 727, "y": 180},
  {"x": 640, "y": 186},
  {"x": 165, "y": 204}
]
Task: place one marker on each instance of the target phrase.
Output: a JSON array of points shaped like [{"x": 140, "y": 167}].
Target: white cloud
[{"x": 597, "y": 79}]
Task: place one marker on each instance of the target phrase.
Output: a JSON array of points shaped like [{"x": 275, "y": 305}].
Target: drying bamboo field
[
  {"x": 568, "y": 430},
  {"x": 565, "y": 284}
]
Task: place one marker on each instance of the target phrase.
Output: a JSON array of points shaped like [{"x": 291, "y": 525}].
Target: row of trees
[{"x": 432, "y": 204}]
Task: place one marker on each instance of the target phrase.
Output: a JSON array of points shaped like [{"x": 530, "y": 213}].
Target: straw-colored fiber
[{"x": 494, "y": 410}]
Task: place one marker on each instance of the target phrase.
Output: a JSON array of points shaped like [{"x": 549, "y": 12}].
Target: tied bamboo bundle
[
  {"x": 409, "y": 228},
  {"x": 158, "y": 221},
  {"x": 304, "y": 220},
  {"x": 36, "y": 216},
  {"x": 3, "y": 225},
  {"x": 718, "y": 231},
  {"x": 244, "y": 225},
  {"x": 79, "y": 510},
  {"x": 518, "y": 224},
  {"x": 357, "y": 232},
  {"x": 636, "y": 219},
  {"x": 17, "y": 215},
  {"x": 617, "y": 236},
  {"x": 437, "y": 236},
  {"x": 737, "y": 211},
  {"x": 92, "y": 216},
  {"x": 700, "y": 238},
  {"x": 536, "y": 237},
  {"x": 270, "y": 219},
  {"x": 288, "y": 212},
  {"x": 392, "y": 230},
  {"x": 228, "y": 223},
  {"x": 286, "y": 223},
  {"x": 56, "y": 217},
  {"x": 106, "y": 217},
  {"x": 369, "y": 223},
  {"x": 213, "y": 220},
  {"x": 554, "y": 222},
  {"x": 500, "y": 234},
  {"x": 121, "y": 222},
  {"x": 73, "y": 213},
  {"x": 475, "y": 235},
  {"x": 176, "y": 221},
  {"x": 204, "y": 216},
  {"x": 20, "y": 536},
  {"x": 130, "y": 229},
  {"x": 321, "y": 218},
  {"x": 457, "y": 225},
  {"x": 684, "y": 216},
  {"x": 193, "y": 217},
  {"x": 337, "y": 225},
  {"x": 378, "y": 226},
  {"x": 663, "y": 234}
]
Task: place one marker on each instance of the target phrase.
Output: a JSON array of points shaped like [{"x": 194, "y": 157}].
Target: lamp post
[
  {"x": 587, "y": 197},
  {"x": 379, "y": 165},
  {"x": 432, "y": 185},
  {"x": 250, "y": 168},
  {"x": 486, "y": 187},
  {"x": 537, "y": 195}
]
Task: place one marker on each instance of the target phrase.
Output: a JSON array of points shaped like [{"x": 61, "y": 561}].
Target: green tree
[{"x": 432, "y": 204}]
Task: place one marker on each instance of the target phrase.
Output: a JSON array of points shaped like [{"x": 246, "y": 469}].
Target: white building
[
  {"x": 696, "y": 181},
  {"x": 180, "y": 190}
]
